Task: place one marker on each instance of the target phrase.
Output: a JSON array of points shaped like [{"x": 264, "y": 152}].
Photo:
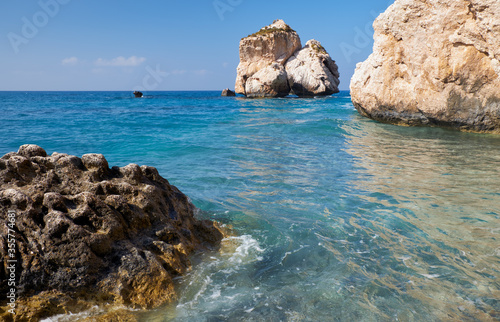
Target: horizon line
[{"x": 170, "y": 90}]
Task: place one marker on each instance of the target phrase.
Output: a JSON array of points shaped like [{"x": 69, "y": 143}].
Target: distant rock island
[
  {"x": 434, "y": 63},
  {"x": 273, "y": 63},
  {"x": 87, "y": 234}
]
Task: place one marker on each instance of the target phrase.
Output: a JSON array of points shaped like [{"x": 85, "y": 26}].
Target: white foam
[
  {"x": 93, "y": 311},
  {"x": 204, "y": 284},
  {"x": 215, "y": 294},
  {"x": 430, "y": 276},
  {"x": 292, "y": 252},
  {"x": 247, "y": 249}
]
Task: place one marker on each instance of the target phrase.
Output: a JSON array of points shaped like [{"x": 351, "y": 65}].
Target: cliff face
[
  {"x": 309, "y": 71},
  {"x": 270, "y": 81},
  {"x": 274, "y": 43},
  {"x": 434, "y": 62},
  {"x": 86, "y": 233}
]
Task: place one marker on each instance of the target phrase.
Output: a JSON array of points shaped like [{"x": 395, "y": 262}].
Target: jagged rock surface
[
  {"x": 271, "y": 81},
  {"x": 273, "y": 43},
  {"x": 88, "y": 234},
  {"x": 311, "y": 71},
  {"x": 434, "y": 62}
]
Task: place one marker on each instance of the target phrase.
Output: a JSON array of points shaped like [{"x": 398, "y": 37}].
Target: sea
[{"x": 334, "y": 217}]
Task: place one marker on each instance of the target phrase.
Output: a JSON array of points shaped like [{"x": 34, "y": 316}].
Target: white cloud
[
  {"x": 121, "y": 61},
  {"x": 71, "y": 61},
  {"x": 201, "y": 72},
  {"x": 178, "y": 72}
]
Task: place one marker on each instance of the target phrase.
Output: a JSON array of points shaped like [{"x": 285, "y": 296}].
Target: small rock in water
[{"x": 228, "y": 92}]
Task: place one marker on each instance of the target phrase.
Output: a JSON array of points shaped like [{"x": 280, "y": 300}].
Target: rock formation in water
[
  {"x": 435, "y": 63},
  {"x": 274, "y": 43},
  {"x": 270, "y": 81},
  {"x": 89, "y": 234},
  {"x": 228, "y": 92},
  {"x": 309, "y": 71},
  {"x": 312, "y": 72}
]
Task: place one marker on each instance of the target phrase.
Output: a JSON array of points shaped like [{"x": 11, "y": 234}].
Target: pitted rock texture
[
  {"x": 91, "y": 233},
  {"x": 434, "y": 62}
]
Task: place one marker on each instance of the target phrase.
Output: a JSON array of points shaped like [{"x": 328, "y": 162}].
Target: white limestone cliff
[
  {"x": 309, "y": 71},
  {"x": 434, "y": 62}
]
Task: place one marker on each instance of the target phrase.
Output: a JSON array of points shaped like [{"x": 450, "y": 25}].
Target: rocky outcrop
[
  {"x": 273, "y": 43},
  {"x": 434, "y": 63},
  {"x": 309, "y": 71},
  {"x": 312, "y": 72},
  {"x": 227, "y": 92},
  {"x": 271, "y": 81},
  {"x": 88, "y": 234},
  {"x": 138, "y": 94}
]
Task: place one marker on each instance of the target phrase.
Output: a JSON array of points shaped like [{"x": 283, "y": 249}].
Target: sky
[{"x": 161, "y": 45}]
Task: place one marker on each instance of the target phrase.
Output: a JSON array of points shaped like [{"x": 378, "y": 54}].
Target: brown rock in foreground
[
  {"x": 86, "y": 233},
  {"x": 434, "y": 63}
]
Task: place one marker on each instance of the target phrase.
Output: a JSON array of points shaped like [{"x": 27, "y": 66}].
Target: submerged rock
[
  {"x": 228, "y": 92},
  {"x": 311, "y": 71},
  {"x": 434, "y": 63},
  {"x": 274, "y": 43},
  {"x": 89, "y": 234}
]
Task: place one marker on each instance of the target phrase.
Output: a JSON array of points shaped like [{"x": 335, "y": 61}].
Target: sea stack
[
  {"x": 312, "y": 72},
  {"x": 434, "y": 63},
  {"x": 88, "y": 234},
  {"x": 274, "y": 64}
]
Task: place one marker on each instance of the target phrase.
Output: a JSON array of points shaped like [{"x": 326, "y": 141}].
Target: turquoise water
[{"x": 336, "y": 217}]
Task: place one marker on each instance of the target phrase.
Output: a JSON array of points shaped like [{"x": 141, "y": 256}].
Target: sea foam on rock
[
  {"x": 87, "y": 234},
  {"x": 434, "y": 63}
]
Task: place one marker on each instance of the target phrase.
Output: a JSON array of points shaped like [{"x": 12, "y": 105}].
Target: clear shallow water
[{"x": 337, "y": 218}]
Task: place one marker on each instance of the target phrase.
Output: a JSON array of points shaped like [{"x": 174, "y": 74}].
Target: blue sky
[{"x": 162, "y": 44}]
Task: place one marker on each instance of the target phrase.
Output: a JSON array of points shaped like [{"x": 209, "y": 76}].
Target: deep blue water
[{"x": 337, "y": 217}]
